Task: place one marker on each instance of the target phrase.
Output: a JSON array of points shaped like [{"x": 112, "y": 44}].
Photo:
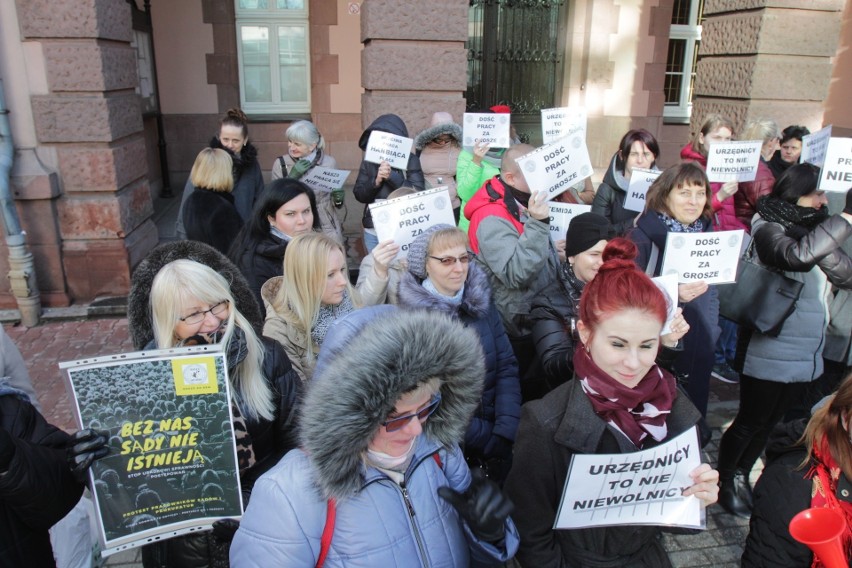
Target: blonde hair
[
  {"x": 443, "y": 239},
  {"x": 213, "y": 170},
  {"x": 182, "y": 280},
  {"x": 711, "y": 122},
  {"x": 305, "y": 274},
  {"x": 763, "y": 129}
]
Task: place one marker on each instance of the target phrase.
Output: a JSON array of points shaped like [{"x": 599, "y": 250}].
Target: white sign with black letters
[
  {"x": 554, "y": 168},
  {"x": 638, "y": 488},
  {"x": 557, "y": 123},
  {"x": 561, "y": 215},
  {"x": 733, "y": 161},
  {"x": 487, "y": 128},
  {"x": 640, "y": 181},
  {"x": 404, "y": 218},
  {"x": 390, "y": 148},
  {"x": 837, "y": 169},
  {"x": 325, "y": 179},
  {"x": 668, "y": 285},
  {"x": 814, "y": 146},
  {"x": 711, "y": 257}
]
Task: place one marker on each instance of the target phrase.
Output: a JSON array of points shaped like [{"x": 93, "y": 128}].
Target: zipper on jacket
[{"x": 404, "y": 490}]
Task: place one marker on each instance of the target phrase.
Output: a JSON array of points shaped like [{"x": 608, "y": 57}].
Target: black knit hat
[{"x": 584, "y": 232}]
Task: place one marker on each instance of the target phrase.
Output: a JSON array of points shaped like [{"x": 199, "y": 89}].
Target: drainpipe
[{"x": 22, "y": 275}]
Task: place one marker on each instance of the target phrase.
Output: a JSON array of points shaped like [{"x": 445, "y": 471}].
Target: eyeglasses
[
  {"x": 198, "y": 317},
  {"x": 401, "y": 422},
  {"x": 451, "y": 260},
  {"x": 442, "y": 140}
]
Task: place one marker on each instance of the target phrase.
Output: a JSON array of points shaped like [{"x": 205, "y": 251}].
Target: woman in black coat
[
  {"x": 441, "y": 277},
  {"x": 209, "y": 213},
  {"x": 288, "y": 208},
  {"x": 186, "y": 293}
]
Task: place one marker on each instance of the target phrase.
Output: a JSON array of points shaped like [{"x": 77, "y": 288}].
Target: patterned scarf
[
  {"x": 637, "y": 412},
  {"x": 328, "y": 315},
  {"x": 675, "y": 226},
  {"x": 825, "y": 473},
  {"x": 796, "y": 220}
]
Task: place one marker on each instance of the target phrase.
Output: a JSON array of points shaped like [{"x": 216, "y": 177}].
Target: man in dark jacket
[{"x": 37, "y": 488}]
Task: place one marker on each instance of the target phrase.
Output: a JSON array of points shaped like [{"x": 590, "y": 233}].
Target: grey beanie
[{"x": 418, "y": 249}]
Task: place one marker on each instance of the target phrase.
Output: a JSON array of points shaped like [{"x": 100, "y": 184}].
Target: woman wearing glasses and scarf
[
  {"x": 186, "y": 293},
  {"x": 379, "y": 479},
  {"x": 441, "y": 277}
]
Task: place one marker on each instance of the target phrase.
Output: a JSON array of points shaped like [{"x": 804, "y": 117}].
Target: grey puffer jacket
[
  {"x": 817, "y": 260},
  {"x": 368, "y": 361}
]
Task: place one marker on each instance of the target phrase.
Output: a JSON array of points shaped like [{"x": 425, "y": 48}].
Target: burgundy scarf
[
  {"x": 825, "y": 473},
  {"x": 636, "y": 412}
]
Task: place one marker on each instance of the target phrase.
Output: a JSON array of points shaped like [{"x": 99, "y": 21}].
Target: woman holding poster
[
  {"x": 679, "y": 202},
  {"x": 793, "y": 233},
  {"x": 621, "y": 316}
]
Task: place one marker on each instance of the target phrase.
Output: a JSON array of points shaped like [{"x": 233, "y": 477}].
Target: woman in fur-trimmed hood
[
  {"x": 461, "y": 290},
  {"x": 380, "y": 429},
  {"x": 439, "y": 147}
]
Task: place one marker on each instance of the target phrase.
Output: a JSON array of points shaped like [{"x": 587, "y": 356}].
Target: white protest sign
[
  {"x": 487, "y": 128},
  {"x": 711, "y": 257},
  {"x": 733, "y": 161},
  {"x": 390, "y": 148},
  {"x": 814, "y": 146},
  {"x": 404, "y": 218},
  {"x": 561, "y": 215},
  {"x": 668, "y": 285},
  {"x": 837, "y": 169},
  {"x": 557, "y": 123},
  {"x": 555, "y": 167},
  {"x": 639, "y": 488},
  {"x": 325, "y": 179},
  {"x": 640, "y": 180}
]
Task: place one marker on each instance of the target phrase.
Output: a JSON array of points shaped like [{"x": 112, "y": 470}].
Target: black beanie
[{"x": 584, "y": 232}]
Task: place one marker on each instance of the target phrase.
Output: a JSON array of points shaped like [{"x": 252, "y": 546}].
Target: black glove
[
  {"x": 483, "y": 507},
  {"x": 7, "y": 450},
  {"x": 83, "y": 449},
  {"x": 848, "y": 208},
  {"x": 224, "y": 529}
]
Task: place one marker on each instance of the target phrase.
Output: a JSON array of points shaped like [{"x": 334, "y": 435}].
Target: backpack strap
[
  {"x": 330, "y": 516},
  {"x": 283, "y": 166}
]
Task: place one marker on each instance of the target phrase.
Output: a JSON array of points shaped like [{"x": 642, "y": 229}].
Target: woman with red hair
[{"x": 619, "y": 402}]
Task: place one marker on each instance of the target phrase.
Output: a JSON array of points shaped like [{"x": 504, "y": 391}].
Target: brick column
[
  {"x": 414, "y": 61},
  {"x": 92, "y": 119},
  {"x": 766, "y": 58}
]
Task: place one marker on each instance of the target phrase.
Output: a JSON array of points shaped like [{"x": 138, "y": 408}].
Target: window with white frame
[
  {"x": 274, "y": 56},
  {"x": 684, "y": 38}
]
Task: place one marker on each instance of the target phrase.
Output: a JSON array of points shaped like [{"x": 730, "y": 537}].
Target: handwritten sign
[
  {"x": 640, "y": 180},
  {"x": 404, "y": 218},
  {"x": 390, "y": 148},
  {"x": 837, "y": 169},
  {"x": 554, "y": 168},
  {"x": 561, "y": 215},
  {"x": 487, "y": 128},
  {"x": 638, "y": 488},
  {"x": 733, "y": 161},
  {"x": 711, "y": 257},
  {"x": 814, "y": 146},
  {"x": 557, "y": 123},
  {"x": 325, "y": 179}
]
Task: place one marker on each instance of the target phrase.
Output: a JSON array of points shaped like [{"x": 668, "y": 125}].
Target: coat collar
[{"x": 475, "y": 299}]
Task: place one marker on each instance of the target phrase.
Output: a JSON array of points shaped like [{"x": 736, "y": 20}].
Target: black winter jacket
[
  {"x": 610, "y": 197},
  {"x": 781, "y": 492},
  {"x": 365, "y": 186},
  {"x": 37, "y": 489},
  {"x": 259, "y": 261},
  {"x": 211, "y": 218}
]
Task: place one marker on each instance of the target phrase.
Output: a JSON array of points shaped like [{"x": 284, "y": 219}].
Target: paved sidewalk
[{"x": 43, "y": 347}]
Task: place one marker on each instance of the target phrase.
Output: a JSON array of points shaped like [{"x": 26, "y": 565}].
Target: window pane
[
  {"x": 256, "y": 66},
  {"x": 674, "y": 71},
  {"x": 292, "y": 59},
  {"x": 254, "y": 4},
  {"x": 291, "y": 4},
  {"x": 680, "y": 12}
]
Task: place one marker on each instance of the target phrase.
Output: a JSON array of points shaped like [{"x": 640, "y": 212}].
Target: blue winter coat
[{"x": 495, "y": 422}]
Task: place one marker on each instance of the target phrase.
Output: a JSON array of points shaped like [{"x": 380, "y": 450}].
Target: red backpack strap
[{"x": 327, "y": 532}]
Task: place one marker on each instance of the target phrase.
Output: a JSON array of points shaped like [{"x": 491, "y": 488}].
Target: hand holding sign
[
  {"x": 539, "y": 208},
  {"x": 486, "y": 128},
  {"x": 556, "y": 167},
  {"x": 708, "y": 257},
  {"x": 706, "y": 486},
  {"x": 389, "y": 151},
  {"x": 383, "y": 255}
]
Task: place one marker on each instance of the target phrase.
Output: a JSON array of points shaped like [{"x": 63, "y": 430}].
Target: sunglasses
[
  {"x": 401, "y": 422},
  {"x": 451, "y": 260}
]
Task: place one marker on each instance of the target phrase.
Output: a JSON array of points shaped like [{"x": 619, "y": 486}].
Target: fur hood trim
[
  {"x": 369, "y": 359},
  {"x": 433, "y": 132},
  {"x": 475, "y": 299},
  {"x": 6, "y": 389},
  {"x": 243, "y": 161},
  {"x": 138, "y": 308}
]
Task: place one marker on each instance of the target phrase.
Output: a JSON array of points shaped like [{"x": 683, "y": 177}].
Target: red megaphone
[{"x": 821, "y": 530}]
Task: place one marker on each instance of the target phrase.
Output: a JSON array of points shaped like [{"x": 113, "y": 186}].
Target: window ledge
[{"x": 255, "y": 118}]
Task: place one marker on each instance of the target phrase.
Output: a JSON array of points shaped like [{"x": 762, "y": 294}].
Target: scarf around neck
[
  {"x": 638, "y": 412},
  {"x": 675, "y": 226},
  {"x": 328, "y": 315},
  {"x": 796, "y": 220},
  {"x": 825, "y": 473},
  {"x": 455, "y": 300}
]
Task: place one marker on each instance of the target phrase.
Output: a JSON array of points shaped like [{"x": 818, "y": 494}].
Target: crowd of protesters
[{"x": 428, "y": 414}]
